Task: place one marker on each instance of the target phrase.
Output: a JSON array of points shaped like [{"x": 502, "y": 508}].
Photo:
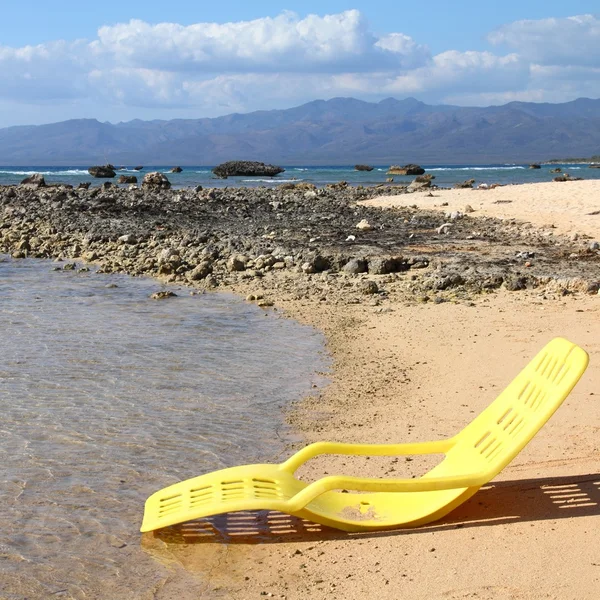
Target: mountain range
[{"x": 340, "y": 131}]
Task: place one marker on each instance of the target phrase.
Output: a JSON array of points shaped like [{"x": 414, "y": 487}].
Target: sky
[{"x": 117, "y": 61}]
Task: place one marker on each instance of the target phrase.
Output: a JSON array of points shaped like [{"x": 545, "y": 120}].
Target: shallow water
[{"x": 107, "y": 396}]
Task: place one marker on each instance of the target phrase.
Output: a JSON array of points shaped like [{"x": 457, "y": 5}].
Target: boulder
[
  {"x": 176, "y": 170},
  {"x": 535, "y": 166},
  {"x": 156, "y": 180},
  {"x": 406, "y": 170},
  {"x": 138, "y": 168},
  {"x": 363, "y": 168},
  {"x": 127, "y": 179},
  {"x": 246, "y": 168},
  {"x": 557, "y": 170},
  {"x": 105, "y": 172},
  {"x": 36, "y": 181}
]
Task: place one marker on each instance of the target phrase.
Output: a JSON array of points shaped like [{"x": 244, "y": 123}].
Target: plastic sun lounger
[{"x": 472, "y": 458}]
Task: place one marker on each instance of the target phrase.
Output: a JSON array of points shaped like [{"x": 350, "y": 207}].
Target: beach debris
[
  {"x": 445, "y": 228},
  {"x": 351, "y": 238},
  {"x": 483, "y": 186},
  {"x": 162, "y": 295},
  {"x": 594, "y": 246},
  {"x": 525, "y": 255},
  {"x": 364, "y": 225},
  {"x": 454, "y": 215},
  {"x": 468, "y": 183}
]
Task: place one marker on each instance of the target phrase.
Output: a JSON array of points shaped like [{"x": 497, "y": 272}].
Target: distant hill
[{"x": 337, "y": 131}]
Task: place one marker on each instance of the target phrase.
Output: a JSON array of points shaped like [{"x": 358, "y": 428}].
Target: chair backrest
[{"x": 503, "y": 429}]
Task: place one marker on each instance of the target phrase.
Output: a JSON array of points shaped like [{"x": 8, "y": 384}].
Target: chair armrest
[{"x": 319, "y": 448}]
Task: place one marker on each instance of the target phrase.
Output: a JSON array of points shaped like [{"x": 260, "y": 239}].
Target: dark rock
[
  {"x": 406, "y": 170},
  {"x": 355, "y": 266},
  {"x": 35, "y": 181},
  {"x": 557, "y": 170},
  {"x": 138, "y": 168},
  {"x": 594, "y": 167},
  {"x": 535, "y": 166},
  {"x": 246, "y": 168},
  {"x": 514, "y": 284},
  {"x": 176, "y": 170},
  {"x": 464, "y": 184},
  {"x": 127, "y": 179},
  {"x": 203, "y": 270},
  {"x": 363, "y": 168},
  {"x": 385, "y": 265},
  {"x": 156, "y": 180},
  {"x": 368, "y": 287},
  {"x": 428, "y": 177},
  {"x": 163, "y": 295},
  {"x": 84, "y": 186},
  {"x": 105, "y": 172}
]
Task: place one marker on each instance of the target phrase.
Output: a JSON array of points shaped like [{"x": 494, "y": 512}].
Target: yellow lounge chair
[{"x": 473, "y": 457}]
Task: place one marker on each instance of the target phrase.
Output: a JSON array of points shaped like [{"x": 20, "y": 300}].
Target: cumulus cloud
[
  {"x": 281, "y": 61},
  {"x": 563, "y": 42},
  {"x": 280, "y": 44}
]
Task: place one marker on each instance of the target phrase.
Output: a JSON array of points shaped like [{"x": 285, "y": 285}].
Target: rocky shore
[{"x": 316, "y": 243}]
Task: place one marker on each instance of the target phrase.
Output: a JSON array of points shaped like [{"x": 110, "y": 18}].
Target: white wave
[
  {"x": 475, "y": 168},
  {"x": 300, "y": 169},
  {"x": 67, "y": 172}
]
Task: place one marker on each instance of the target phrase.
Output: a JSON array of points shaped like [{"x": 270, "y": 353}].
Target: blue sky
[{"x": 122, "y": 60}]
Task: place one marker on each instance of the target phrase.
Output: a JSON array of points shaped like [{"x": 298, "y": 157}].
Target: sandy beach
[
  {"x": 414, "y": 372},
  {"x": 409, "y": 367}
]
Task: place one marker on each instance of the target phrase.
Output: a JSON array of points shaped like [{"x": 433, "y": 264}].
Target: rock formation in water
[
  {"x": 106, "y": 172},
  {"x": 246, "y": 168},
  {"x": 409, "y": 169}
]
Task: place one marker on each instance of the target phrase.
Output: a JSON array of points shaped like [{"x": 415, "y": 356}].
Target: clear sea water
[
  {"x": 107, "y": 396},
  {"x": 446, "y": 175}
]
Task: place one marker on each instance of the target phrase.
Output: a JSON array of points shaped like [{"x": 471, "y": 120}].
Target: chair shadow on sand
[{"x": 497, "y": 503}]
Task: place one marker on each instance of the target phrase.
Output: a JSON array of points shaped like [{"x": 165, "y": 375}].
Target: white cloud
[
  {"x": 280, "y": 44},
  {"x": 207, "y": 69},
  {"x": 568, "y": 41}
]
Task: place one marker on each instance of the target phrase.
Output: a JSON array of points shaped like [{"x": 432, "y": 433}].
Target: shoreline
[{"x": 409, "y": 368}]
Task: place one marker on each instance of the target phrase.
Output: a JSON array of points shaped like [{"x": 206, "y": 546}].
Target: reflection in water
[{"x": 107, "y": 396}]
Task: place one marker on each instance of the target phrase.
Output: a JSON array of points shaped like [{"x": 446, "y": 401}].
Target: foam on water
[{"x": 107, "y": 396}]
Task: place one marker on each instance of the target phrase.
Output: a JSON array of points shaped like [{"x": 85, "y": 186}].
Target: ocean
[{"x": 445, "y": 175}]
